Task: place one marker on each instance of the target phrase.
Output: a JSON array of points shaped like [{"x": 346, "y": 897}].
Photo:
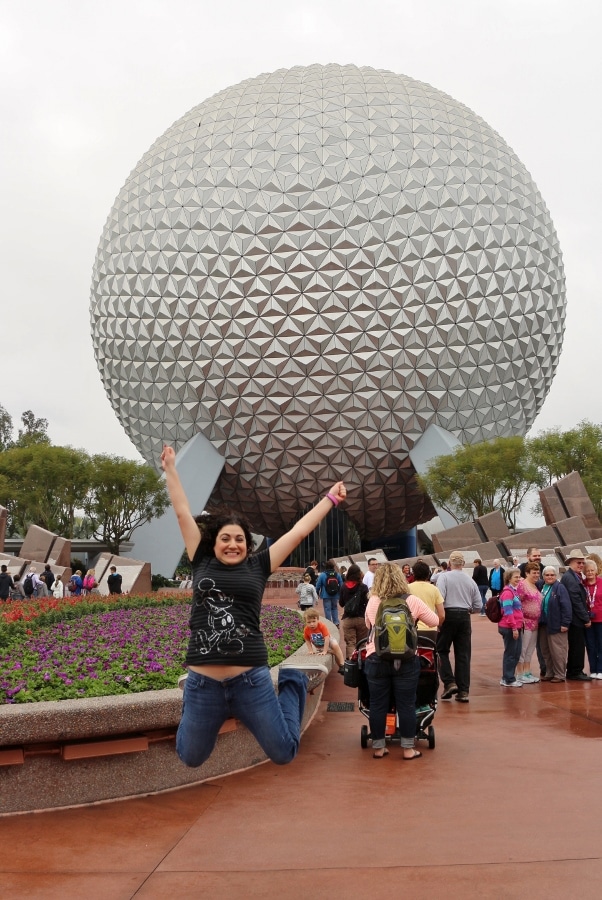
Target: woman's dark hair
[
  {"x": 211, "y": 523},
  {"x": 532, "y": 567},
  {"x": 421, "y": 570},
  {"x": 354, "y": 573}
]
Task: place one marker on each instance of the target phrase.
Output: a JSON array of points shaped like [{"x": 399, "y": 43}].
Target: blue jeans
[
  {"x": 483, "y": 588},
  {"x": 386, "y": 683},
  {"x": 331, "y": 608},
  {"x": 274, "y": 721},
  {"x": 512, "y": 652}
]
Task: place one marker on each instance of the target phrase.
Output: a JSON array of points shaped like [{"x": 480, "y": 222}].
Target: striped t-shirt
[{"x": 226, "y": 605}]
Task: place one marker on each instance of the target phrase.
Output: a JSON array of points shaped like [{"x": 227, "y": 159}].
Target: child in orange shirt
[{"x": 318, "y": 640}]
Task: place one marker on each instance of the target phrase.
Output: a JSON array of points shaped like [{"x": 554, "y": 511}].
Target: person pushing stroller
[{"x": 399, "y": 677}]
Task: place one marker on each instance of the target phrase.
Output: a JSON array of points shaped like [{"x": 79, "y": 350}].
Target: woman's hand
[
  {"x": 338, "y": 490},
  {"x": 515, "y": 634},
  {"x": 168, "y": 457}
]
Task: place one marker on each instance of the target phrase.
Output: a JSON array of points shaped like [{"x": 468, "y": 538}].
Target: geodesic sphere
[{"x": 312, "y": 267}]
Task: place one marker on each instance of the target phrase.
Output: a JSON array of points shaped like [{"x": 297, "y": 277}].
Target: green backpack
[{"x": 395, "y": 634}]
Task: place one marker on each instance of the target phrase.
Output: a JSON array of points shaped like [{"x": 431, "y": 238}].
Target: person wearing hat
[
  {"x": 573, "y": 582},
  {"x": 461, "y": 597}
]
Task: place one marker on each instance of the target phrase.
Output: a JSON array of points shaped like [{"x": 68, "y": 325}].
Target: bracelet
[{"x": 334, "y": 500}]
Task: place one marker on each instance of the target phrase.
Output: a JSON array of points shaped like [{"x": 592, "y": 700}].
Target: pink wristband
[{"x": 332, "y": 498}]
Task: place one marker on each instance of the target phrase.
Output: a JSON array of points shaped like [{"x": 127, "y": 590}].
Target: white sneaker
[
  {"x": 511, "y": 683},
  {"x": 528, "y": 678}
]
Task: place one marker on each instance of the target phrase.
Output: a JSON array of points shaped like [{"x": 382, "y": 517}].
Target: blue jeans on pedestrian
[
  {"x": 274, "y": 720},
  {"x": 483, "y": 588},
  {"x": 512, "y": 652},
  {"x": 331, "y": 608},
  {"x": 387, "y": 683}
]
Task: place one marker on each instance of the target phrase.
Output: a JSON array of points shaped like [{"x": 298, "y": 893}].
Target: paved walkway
[{"x": 506, "y": 806}]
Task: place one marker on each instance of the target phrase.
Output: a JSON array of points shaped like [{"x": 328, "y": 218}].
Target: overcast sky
[{"x": 88, "y": 86}]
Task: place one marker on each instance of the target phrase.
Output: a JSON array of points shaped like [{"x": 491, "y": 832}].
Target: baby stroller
[{"x": 426, "y": 694}]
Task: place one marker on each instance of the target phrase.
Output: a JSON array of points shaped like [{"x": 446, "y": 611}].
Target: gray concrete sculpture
[{"x": 311, "y": 268}]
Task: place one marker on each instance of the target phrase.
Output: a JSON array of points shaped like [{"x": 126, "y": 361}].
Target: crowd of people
[
  {"x": 47, "y": 584},
  {"x": 554, "y": 618},
  {"x": 558, "y": 619},
  {"x": 543, "y": 614}
]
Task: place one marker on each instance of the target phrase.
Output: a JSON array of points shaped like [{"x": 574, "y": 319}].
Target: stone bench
[{"x": 72, "y": 752}]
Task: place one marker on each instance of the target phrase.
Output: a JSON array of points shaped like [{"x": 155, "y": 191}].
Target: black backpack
[
  {"x": 28, "y": 586},
  {"x": 353, "y": 606},
  {"x": 331, "y": 585},
  {"x": 48, "y": 578}
]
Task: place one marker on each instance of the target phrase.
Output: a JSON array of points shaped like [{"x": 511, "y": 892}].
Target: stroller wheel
[
  {"x": 364, "y": 737},
  {"x": 431, "y": 737}
]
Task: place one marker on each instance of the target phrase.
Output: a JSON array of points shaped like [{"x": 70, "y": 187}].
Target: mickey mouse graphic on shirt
[{"x": 223, "y": 635}]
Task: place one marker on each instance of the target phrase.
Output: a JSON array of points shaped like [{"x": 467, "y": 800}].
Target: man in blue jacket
[
  {"x": 573, "y": 582},
  {"x": 328, "y": 588}
]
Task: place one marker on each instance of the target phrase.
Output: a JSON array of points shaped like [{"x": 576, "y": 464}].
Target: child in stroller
[{"x": 426, "y": 695}]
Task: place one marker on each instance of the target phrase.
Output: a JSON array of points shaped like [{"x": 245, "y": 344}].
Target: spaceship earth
[{"x": 313, "y": 266}]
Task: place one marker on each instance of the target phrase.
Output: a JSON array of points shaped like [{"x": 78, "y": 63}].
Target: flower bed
[
  {"x": 36, "y": 608},
  {"x": 138, "y": 646}
]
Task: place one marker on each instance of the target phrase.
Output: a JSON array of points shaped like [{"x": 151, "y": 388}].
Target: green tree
[
  {"x": 34, "y": 431},
  {"x": 558, "y": 453},
  {"x": 481, "y": 478},
  {"x": 123, "y": 495},
  {"x": 43, "y": 485},
  {"x": 6, "y": 429}
]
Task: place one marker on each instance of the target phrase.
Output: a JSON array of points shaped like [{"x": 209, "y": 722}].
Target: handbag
[{"x": 351, "y": 673}]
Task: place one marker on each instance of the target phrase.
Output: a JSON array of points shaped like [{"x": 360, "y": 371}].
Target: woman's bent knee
[
  {"x": 192, "y": 760},
  {"x": 283, "y": 756},
  {"x": 192, "y": 755}
]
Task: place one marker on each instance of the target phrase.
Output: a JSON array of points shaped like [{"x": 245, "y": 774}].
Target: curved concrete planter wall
[{"x": 72, "y": 752}]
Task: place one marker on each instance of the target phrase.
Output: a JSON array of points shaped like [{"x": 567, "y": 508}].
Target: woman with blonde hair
[{"x": 400, "y": 676}]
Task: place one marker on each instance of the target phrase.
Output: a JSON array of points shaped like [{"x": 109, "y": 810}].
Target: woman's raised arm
[{"x": 179, "y": 501}]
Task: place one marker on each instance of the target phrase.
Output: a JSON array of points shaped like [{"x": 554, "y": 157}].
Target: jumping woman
[{"x": 228, "y": 675}]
